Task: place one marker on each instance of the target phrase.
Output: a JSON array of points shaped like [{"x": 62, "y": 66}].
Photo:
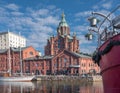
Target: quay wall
[
  {"x": 58, "y": 77},
  {"x": 67, "y": 78},
  {"x": 95, "y": 78}
]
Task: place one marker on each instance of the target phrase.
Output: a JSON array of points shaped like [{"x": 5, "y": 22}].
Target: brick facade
[
  {"x": 12, "y": 56},
  {"x": 64, "y": 62},
  {"x": 62, "y": 56}
]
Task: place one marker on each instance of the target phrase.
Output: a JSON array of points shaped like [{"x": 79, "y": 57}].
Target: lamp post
[
  {"x": 94, "y": 24},
  {"x": 107, "y": 54}
]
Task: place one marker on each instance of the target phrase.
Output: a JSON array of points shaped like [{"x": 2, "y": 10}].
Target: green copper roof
[{"x": 63, "y": 21}]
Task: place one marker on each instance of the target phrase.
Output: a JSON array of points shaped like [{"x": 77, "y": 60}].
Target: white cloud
[
  {"x": 51, "y": 7},
  {"x": 12, "y": 7},
  {"x": 80, "y": 28},
  {"x": 17, "y": 13},
  {"x": 95, "y": 7},
  {"x": 87, "y": 49},
  {"x": 35, "y": 25},
  {"x": 38, "y": 13},
  {"x": 3, "y": 12},
  {"x": 85, "y": 13},
  {"x": 107, "y": 5},
  {"x": 51, "y": 20}
]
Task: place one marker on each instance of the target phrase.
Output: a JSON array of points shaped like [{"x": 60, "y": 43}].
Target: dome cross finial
[
  {"x": 63, "y": 15},
  {"x": 63, "y": 21}
]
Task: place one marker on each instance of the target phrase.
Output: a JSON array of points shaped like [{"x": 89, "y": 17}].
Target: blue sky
[{"x": 37, "y": 20}]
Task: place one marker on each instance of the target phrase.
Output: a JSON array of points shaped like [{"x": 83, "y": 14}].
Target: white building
[{"x": 9, "y": 39}]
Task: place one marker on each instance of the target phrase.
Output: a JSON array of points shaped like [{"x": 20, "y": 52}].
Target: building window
[
  {"x": 31, "y": 53},
  {"x": 60, "y": 64},
  {"x": 32, "y": 64},
  {"x": 37, "y": 64},
  {"x": 47, "y": 64},
  {"x": 65, "y": 62},
  {"x": 89, "y": 64},
  {"x": 82, "y": 64},
  {"x": 59, "y": 43},
  {"x": 42, "y": 64},
  {"x": 76, "y": 62},
  {"x": 55, "y": 65},
  {"x": 60, "y": 59}
]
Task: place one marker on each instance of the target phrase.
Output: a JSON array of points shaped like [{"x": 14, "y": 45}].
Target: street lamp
[
  {"x": 89, "y": 36},
  {"x": 93, "y": 21},
  {"x": 114, "y": 24},
  {"x": 107, "y": 54}
]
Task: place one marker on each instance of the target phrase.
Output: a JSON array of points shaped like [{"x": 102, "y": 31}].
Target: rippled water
[{"x": 51, "y": 87}]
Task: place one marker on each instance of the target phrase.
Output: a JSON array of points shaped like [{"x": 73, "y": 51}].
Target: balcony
[{"x": 75, "y": 66}]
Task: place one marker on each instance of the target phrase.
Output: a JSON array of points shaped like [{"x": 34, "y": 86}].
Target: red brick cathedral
[
  {"x": 62, "y": 56},
  {"x": 63, "y": 40}
]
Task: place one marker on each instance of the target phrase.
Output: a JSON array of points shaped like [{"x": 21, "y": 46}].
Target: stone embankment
[
  {"x": 95, "y": 78},
  {"x": 58, "y": 77},
  {"x": 67, "y": 78}
]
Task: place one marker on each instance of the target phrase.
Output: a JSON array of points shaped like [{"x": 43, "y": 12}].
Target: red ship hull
[{"x": 110, "y": 67}]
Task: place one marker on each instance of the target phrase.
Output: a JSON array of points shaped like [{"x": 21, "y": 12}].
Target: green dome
[{"x": 63, "y": 21}]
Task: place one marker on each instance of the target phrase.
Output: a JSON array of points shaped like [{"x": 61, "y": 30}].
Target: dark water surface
[{"x": 51, "y": 87}]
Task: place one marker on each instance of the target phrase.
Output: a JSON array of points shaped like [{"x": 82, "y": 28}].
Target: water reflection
[
  {"x": 16, "y": 87},
  {"x": 51, "y": 87}
]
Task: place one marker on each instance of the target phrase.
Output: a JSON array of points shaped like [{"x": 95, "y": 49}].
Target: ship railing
[{"x": 104, "y": 32}]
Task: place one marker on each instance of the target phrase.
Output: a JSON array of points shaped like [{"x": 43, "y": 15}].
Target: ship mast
[
  {"x": 9, "y": 61},
  {"x": 9, "y": 58},
  {"x": 21, "y": 72}
]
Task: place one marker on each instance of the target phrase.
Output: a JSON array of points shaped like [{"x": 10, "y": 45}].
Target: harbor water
[{"x": 51, "y": 87}]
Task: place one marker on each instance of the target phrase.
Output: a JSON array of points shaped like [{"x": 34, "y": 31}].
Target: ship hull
[{"x": 110, "y": 66}]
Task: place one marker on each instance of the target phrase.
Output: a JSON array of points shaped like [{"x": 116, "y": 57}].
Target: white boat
[{"x": 18, "y": 78}]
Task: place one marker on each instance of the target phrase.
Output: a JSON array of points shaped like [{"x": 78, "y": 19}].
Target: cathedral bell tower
[{"x": 63, "y": 28}]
